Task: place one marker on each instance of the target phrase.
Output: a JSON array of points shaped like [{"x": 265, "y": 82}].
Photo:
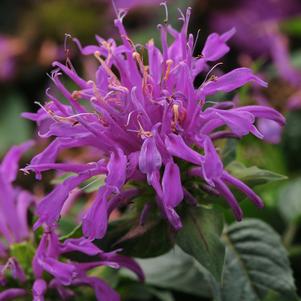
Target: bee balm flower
[{"x": 144, "y": 119}]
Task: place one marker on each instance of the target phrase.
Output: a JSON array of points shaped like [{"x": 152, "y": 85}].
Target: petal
[
  {"x": 64, "y": 292},
  {"x": 64, "y": 272},
  {"x": 50, "y": 207},
  {"x": 281, "y": 56},
  {"x": 270, "y": 130},
  {"x": 71, "y": 74},
  {"x": 177, "y": 147},
  {"x": 155, "y": 62},
  {"x": 102, "y": 290},
  {"x": 228, "y": 195},
  {"x": 244, "y": 188},
  {"x": 168, "y": 211},
  {"x": 81, "y": 245},
  {"x": 39, "y": 289},
  {"x": 215, "y": 45},
  {"x": 12, "y": 294},
  {"x": 40, "y": 251},
  {"x": 95, "y": 220},
  {"x": 9, "y": 224},
  {"x": 24, "y": 200},
  {"x": 129, "y": 263},
  {"x": 264, "y": 112},
  {"x": 149, "y": 159},
  {"x": 171, "y": 185},
  {"x": 212, "y": 167},
  {"x": 116, "y": 169},
  {"x": 240, "y": 122},
  {"x": 231, "y": 81},
  {"x": 9, "y": 165}
]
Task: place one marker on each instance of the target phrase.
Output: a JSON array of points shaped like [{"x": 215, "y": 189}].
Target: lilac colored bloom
[
  {"x": 258, "y": 32},
  {"x": 143, "y": 121},
  {"x": 48, "y": 258},
  {"x": 14, "y": 229},
  {"x": 12, "y": 294},
  {"x": 13, "y": 202},
  {"x": 270, "y": 130},
  {"x": 39, "y": 289}
]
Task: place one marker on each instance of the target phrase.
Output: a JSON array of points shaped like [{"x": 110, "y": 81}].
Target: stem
[{"x": 290, "y": 234}]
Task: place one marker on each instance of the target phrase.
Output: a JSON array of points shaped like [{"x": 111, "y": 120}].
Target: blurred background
[{"x": 268, "y": 39}]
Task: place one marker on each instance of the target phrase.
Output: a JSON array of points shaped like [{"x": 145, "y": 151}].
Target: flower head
[
  {"x": 14, "y": 229},
  {"x": 258, "y": 31},
  {"x": 66, "y": 273},
  {"x": 145, "y": 117}
]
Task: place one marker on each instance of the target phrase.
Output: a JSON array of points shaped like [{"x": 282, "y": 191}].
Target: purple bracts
[{"x": 142, "y": 120}]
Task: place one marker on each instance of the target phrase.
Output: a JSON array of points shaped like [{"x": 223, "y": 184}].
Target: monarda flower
[
  {"x": 259, "y": 33},
  {"x": 14, "y": 228},
  {"x": 145, "y": 117},
  {"x": 68, "y": 274},
  {"x": 23, "y": 264}
]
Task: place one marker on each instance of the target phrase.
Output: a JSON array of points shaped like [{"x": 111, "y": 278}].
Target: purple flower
[
  {"x": 49, "y": 258},
  {"x": 14, "y": 228},
  {"x": 270, "y": 130},
  {"x": 258, "y": 31},
  {"x": 143, "y": 121}
]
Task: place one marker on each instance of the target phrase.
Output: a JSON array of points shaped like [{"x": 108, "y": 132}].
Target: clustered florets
[
  {"x": 140, "y": 118},
  {"x": 49, "y": 256},
  {"x": 144, "y": 117}
]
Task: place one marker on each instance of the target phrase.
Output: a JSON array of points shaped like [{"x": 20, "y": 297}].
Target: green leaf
[
  {"x": 252, "y": 152},
  {"x": 152, "y": 239},
  {"x": 161, "y": 295},
  {"x": 289, "y": 201},
  {"x": 253, "y": 175},
  {"x": 130, "y": 291},
  {"x": 200, "y": 238},
  {"x": 176, "y": 270},
  {"x": 256, "y": 264}
]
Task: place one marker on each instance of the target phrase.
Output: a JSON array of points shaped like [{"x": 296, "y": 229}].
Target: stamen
[
  {"x": 67, "y": 51},
  {"x": 142, "y": 132},
  {"x": 130, "y": 41},
  {"x": 169, "y": 63},
  {"x": 76, "y": 95},
  {"x": 143, "y": 69},
  {"x": 175, "y": 109},
  {"x": 196, "y": 40},
  {"x": 97, "y": 55},
  {"x": 115, "y": 8},
  {"x": 206, "y": 78},
  {"x": 129, "y": 118},
  {"x": 166, "y": 11}
]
